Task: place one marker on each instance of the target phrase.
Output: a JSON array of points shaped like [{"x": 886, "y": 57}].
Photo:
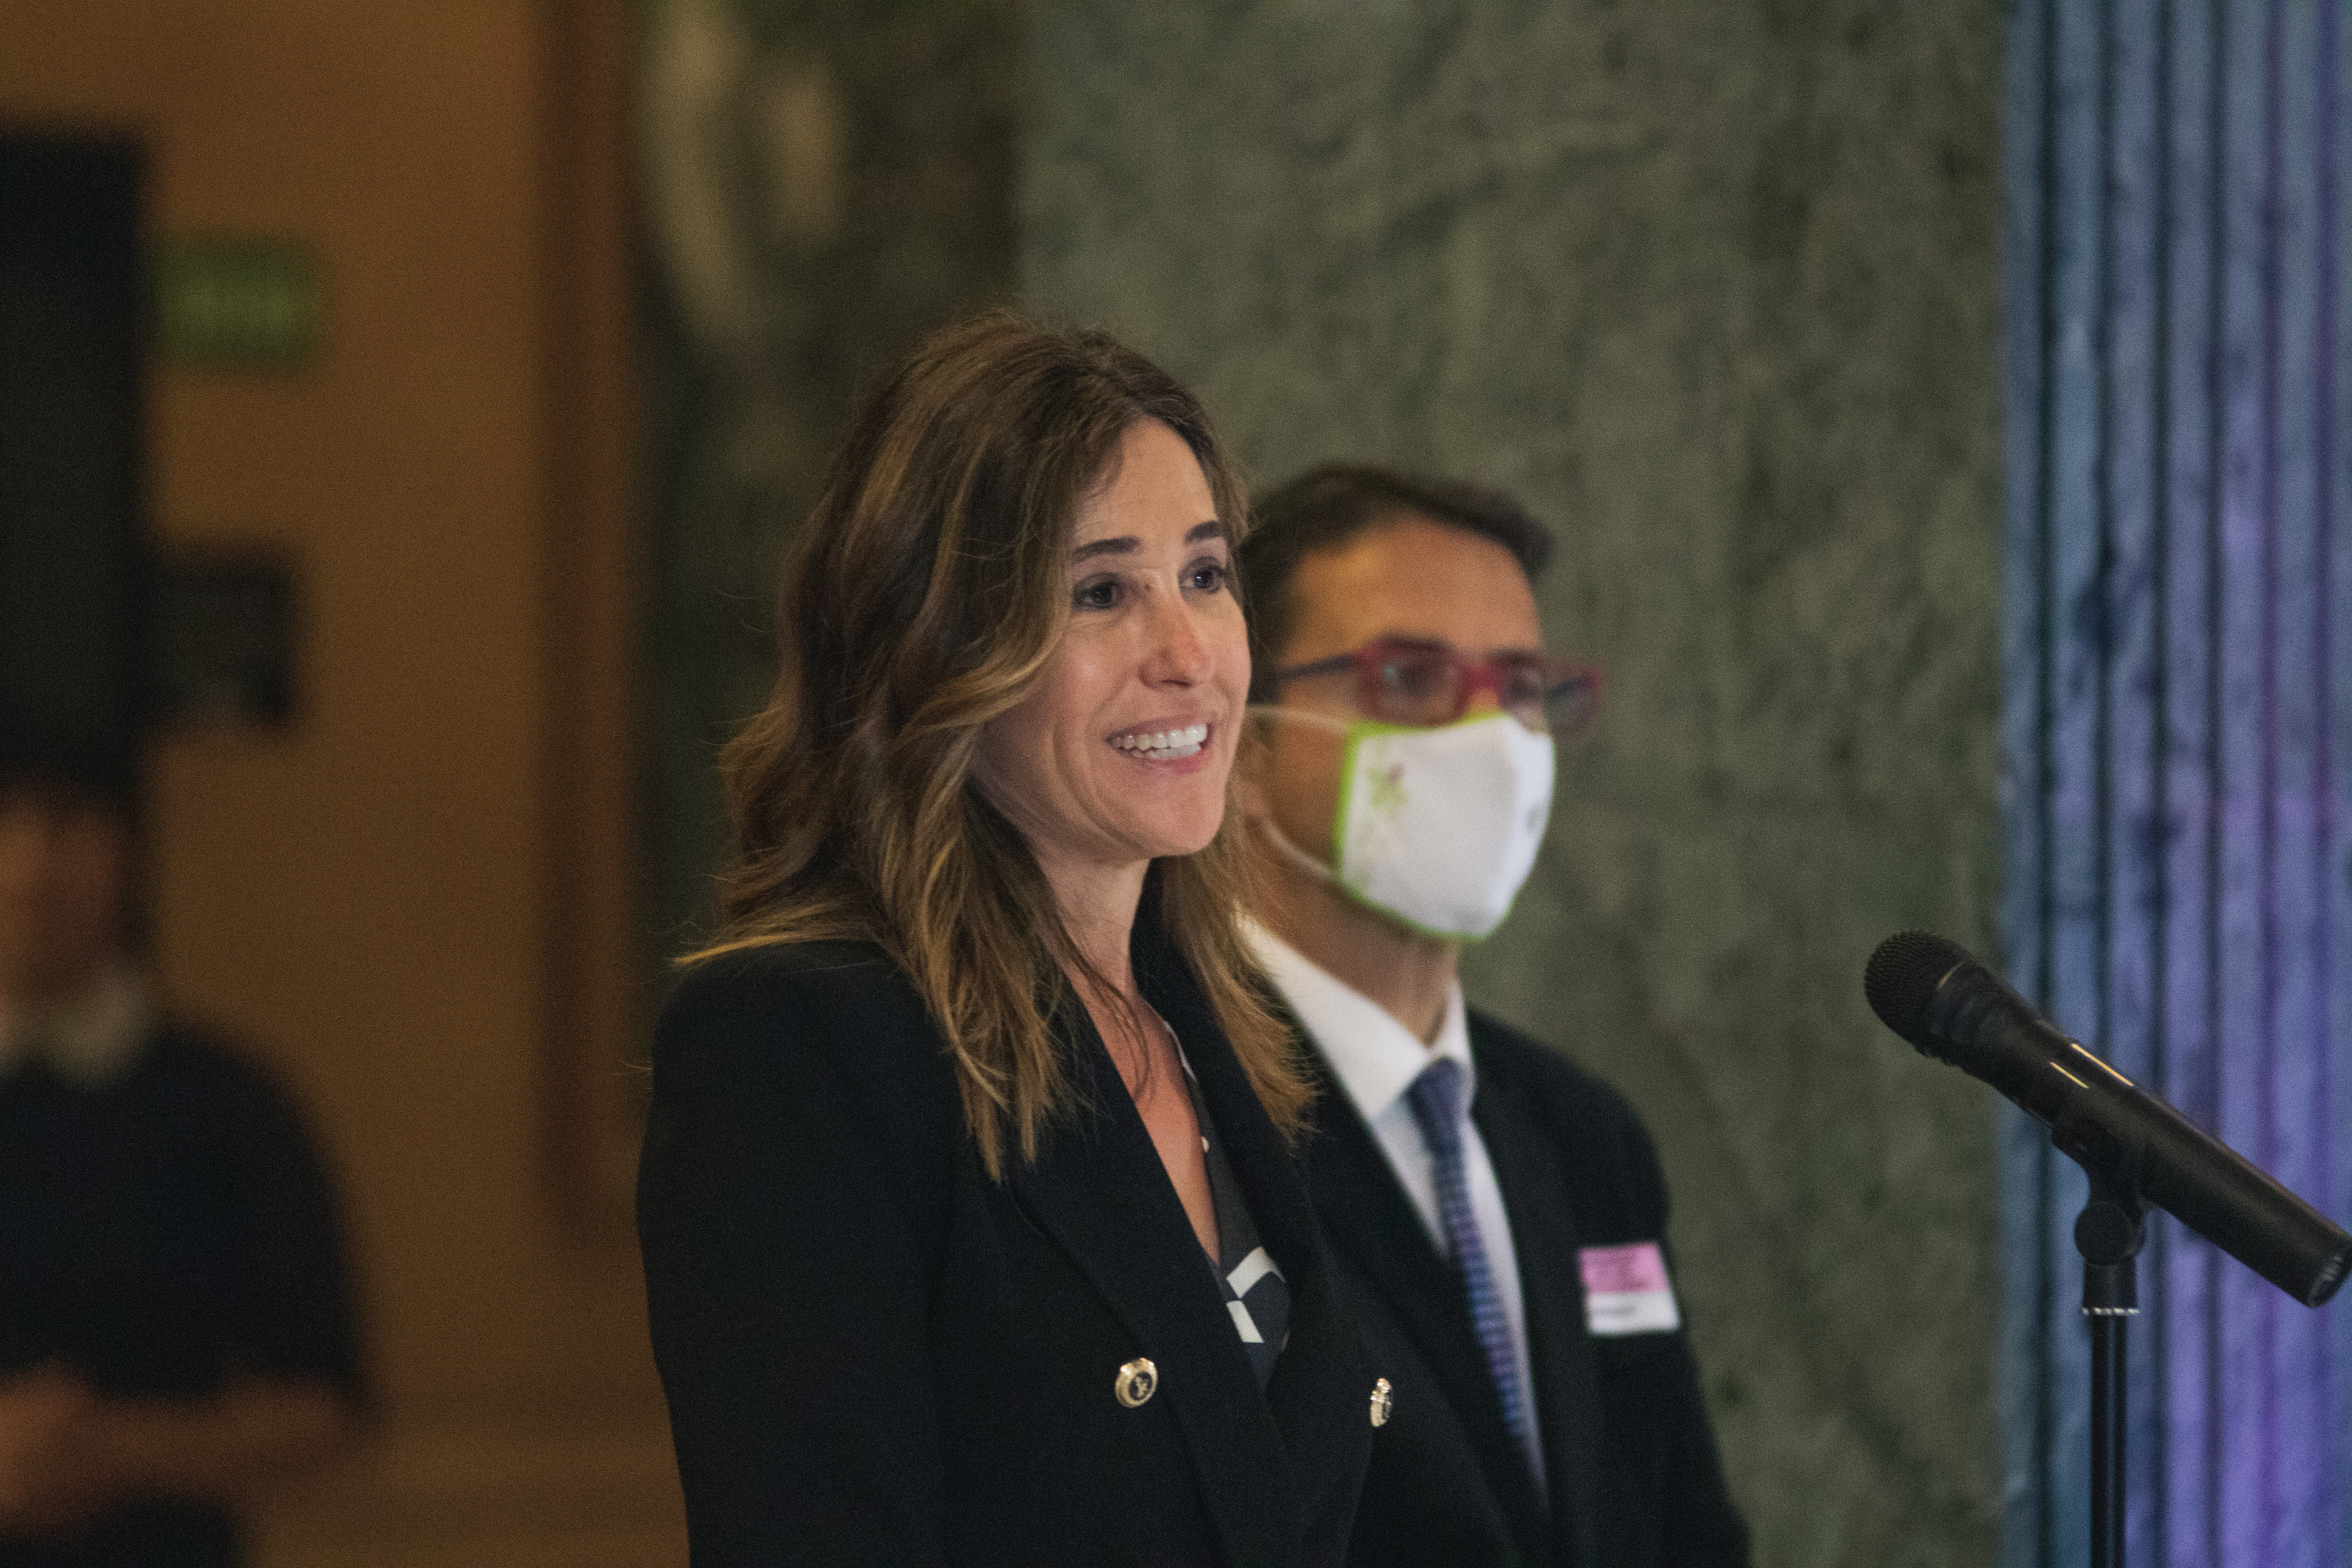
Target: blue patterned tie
[{"x": 1436, "y": 1099}]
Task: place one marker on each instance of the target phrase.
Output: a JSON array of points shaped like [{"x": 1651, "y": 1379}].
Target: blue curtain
[{"x": 2178, "y": 676}]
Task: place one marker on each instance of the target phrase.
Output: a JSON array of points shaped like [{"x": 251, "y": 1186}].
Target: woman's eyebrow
[{"x": 1126, "y": 543}]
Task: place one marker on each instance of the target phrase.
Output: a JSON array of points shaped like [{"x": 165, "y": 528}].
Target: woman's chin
[{"x": 1170, "y": 840}]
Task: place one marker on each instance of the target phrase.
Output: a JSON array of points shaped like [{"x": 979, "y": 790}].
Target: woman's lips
[{"x": 1168, "y": 745}]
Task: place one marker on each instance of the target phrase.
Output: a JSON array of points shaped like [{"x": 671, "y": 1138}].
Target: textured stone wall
[
  {"x": 1712, "y": 285},
  {"x": 822, "y": 183}
]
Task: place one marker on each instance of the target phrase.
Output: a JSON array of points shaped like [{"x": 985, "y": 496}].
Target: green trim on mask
[{"x": 1359, "y": 730}]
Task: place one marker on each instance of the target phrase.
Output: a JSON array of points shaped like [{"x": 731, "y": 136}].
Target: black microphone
[{"x": 1936, "y": 995}]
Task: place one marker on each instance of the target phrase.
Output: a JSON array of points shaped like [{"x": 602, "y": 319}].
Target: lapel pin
[
  {"x": 1383, "y": 1401},
  {"x": 1139, "y": 1380}
]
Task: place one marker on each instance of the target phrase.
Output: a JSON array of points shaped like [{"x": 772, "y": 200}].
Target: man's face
[
  {"x": 1411, "y": 578},
  {"x": 62, "y": 863}
]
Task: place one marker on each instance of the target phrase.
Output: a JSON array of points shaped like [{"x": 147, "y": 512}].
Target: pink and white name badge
[{"x": 1626, "y": 1290}]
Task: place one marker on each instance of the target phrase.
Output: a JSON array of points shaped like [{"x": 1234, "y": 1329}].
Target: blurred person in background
[
  {"x": 1498, "y": 1214},
  {"x": 175, "y": 1325}
]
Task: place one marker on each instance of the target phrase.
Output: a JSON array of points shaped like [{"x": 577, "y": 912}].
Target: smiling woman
[{"x": 971, "y": 1229}]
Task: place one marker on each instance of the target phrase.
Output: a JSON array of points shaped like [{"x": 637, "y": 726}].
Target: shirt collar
[
  {"x": 87, "y": 1039},
  {"x": 1375, "y": 1057}
]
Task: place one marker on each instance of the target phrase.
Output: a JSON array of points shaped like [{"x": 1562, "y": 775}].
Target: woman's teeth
[{"x": 1165, "y": 745}]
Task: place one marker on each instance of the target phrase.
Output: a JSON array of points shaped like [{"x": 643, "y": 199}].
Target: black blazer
[
  {"x": 1633, "y": 1476},
  {"x": 876, "y": 1354}
]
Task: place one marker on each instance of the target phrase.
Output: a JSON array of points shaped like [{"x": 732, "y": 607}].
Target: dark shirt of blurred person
[{"x": 176, "y": 1336}]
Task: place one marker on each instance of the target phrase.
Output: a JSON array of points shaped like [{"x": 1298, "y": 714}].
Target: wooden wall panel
[{"x": 414, "y": 902}]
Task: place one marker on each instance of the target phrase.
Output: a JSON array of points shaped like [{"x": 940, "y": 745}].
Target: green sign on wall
[{"x": 239, "y": 303}]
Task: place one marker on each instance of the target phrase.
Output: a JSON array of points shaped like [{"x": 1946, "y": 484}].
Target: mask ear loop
[
  {"x": 1294, "y": 854},
  {"x": 1281, "y": 840},
  {"x": 1297, "y": 715}
]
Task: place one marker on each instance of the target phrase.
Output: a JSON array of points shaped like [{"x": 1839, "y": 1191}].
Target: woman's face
[{"x": 1121, "y": 753}]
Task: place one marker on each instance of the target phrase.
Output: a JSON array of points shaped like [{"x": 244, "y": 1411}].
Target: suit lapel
[
  {"x": 1372, "y": 1222},
  {"x": 1544, "y": 1236},
  {"x": 1099, "y": 1190}
]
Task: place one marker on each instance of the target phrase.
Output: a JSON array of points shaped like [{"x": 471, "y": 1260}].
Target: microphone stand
[{"x": 2108, "y": 1234}]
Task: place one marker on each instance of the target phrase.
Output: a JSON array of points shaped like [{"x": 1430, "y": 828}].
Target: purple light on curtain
[{"x": 2178, "y": 707}]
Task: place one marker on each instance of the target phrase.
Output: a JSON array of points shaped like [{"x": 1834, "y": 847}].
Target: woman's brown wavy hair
[{"x": 924, "y": 596}]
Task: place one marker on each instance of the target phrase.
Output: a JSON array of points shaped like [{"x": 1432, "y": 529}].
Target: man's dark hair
[
  {"x": 52, "y": 756},
  {"x": 1326, "y": 507}
]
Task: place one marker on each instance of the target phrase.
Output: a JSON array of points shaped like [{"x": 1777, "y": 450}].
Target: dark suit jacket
[
  {"x": 1633, "y": 1476},
  {"x": 161, "y": 1234},
  {"x": 874, "y": 1354}
]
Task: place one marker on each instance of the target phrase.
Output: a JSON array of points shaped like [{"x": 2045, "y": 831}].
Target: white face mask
[{"x": 1437, "y": 826}]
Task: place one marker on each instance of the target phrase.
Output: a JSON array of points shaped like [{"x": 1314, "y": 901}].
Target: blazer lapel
[
  {"x": 1099, "y": 1190},
  {"x": 1568, "y": 1391},
  {"x": 1371, "y": 1220},
  {"x": 1321, "y": 1392}
]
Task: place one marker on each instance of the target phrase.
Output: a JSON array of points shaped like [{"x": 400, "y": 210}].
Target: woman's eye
[
  {"x": 1210, "y": 577},
  {"x": 1097, "y": 593}
]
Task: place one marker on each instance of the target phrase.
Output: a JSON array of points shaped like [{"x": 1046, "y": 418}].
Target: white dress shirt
[{"x": 1376, "y": 1060}]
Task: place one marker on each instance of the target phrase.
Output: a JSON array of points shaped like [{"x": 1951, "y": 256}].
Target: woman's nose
[{"x": 1180, "y": 655}]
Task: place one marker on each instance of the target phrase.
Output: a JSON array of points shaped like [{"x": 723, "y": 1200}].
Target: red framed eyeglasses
[{"x": 1411, "y": 680}]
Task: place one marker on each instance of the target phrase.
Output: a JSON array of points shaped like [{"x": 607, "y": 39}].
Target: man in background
[
  {"x": 175, "y": 1326},
  {"x": 1498, "y": 1214}
]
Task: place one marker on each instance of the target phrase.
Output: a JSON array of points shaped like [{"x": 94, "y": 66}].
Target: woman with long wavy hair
[{"x": 971, "y": 1230}]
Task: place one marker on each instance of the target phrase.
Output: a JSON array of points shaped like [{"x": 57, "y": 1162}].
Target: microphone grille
[{"x": 1901, "y": 978}]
